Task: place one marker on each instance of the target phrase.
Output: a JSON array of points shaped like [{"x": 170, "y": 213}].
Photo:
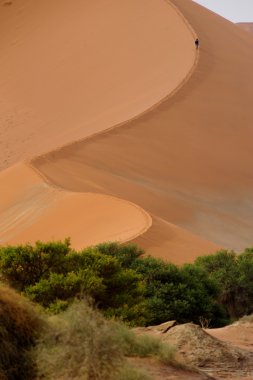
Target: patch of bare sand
[
  {"x": 71, "y": 69},
  {"x": 31, "y": 210},
  {"x": 189, "y": 160},
  {"x": 160, "y": 371},
  {"x": 239, "y": 334}
]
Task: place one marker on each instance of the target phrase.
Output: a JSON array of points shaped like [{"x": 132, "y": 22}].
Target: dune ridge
[
  {"x": 76, "y": 85},
  {"x": 178, "y": 161},
  {"x": 35, "y": 208}
]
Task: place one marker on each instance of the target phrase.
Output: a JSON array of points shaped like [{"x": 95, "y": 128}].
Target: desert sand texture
[
  {"x": 239, "y": 334},
  {"x": 31, "y": 210},
  {"x": 189, "y": 160},
  {"x": 72, "y": 69},
  {"x": 248, "y": 26}
]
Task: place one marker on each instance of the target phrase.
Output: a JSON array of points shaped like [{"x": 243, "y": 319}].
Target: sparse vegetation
[
  {"x": 77, "y": 341},
  {"x": 77, "y": 344},
  {"x": 81, "y": 344}
]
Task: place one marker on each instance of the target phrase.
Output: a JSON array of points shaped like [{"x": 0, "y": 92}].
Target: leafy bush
[
  {"x": 233, "y": 275},
  {"x": 171, "y": 292},
  {"x": 25, "y": 265},
  {"x": 136, "y": 289},
  {"x": 54, "y": 275}
]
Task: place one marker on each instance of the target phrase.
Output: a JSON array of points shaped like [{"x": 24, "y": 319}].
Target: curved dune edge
[
  {"x": 171, "y": 243},
  {"x": 189, "y": 161},
  {"x": 181, "y": 82},
  {"x": 82, "y": 87},
  {"x": 32, "y": 209},
  {"x": 35, "y": 211}
]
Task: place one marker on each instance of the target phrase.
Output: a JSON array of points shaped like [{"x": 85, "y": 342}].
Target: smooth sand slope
[
  {"x": 71, "y": 69},
  {"x": 188, "y": 161},
  {"x": 30, "y": 210},
  {"x": 248, "y": 26}
]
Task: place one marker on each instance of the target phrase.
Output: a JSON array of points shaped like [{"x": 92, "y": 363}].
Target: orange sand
[
  {"x": 189, "y": 160},
  {"x": 238, "y": 334},
  {"x": 72, "y": 69},
  {"x": 76, "y": 70},
  {"x": 30, "y": 210}
]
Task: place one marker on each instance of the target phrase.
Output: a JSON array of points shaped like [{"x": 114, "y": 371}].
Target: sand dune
[
  {"x": 69, "y": 70},
  {"x": 31, "y": 210},
  {"x": 185, "y": 159},
  {"x": 248, "y": 26},
  {"x": 189, "y": 160},
  {"x": 174, "y": 244}
]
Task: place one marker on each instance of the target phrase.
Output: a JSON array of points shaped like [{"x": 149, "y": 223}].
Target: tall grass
[{"x": 81, "y": 344}]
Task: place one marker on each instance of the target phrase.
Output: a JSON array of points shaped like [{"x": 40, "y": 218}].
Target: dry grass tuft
[
  {"x": 247, "y": 318},
  {"x": 81, "y": 344},
  {"x": 19, "y": 328}
]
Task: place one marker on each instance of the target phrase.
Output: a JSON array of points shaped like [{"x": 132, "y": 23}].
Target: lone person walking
[{"x": 197, "y": 43}]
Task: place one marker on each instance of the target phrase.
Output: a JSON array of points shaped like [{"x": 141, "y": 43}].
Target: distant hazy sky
[{"x": 233, "y": 10}]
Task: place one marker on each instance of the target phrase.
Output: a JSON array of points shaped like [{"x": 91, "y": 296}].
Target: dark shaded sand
[{"x": 189, "y": 160}]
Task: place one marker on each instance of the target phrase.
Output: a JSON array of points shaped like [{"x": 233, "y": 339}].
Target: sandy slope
[
  {"x": 248, "y": 26},
  {"x": 189, "y": 161},
  {"x": 31, "y": 210},
  {"x": 239, "y": 334},
  {"x": 71, "y": 69},
  {"x": 172, "y": 243}
]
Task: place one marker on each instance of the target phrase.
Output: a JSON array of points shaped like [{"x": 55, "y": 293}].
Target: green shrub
[
  {"x": 51, "y": 273},
  {"x": 25, "y": 265},
  {"x": 182, "y": 293},
  {"x": 233, "y": 275}
]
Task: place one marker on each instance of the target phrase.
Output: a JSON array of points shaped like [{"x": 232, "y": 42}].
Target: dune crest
[
  {"x": 189, "y": 160},
  {"x": 70, "y": 70},
  {"x": 74, "y": 87}
]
